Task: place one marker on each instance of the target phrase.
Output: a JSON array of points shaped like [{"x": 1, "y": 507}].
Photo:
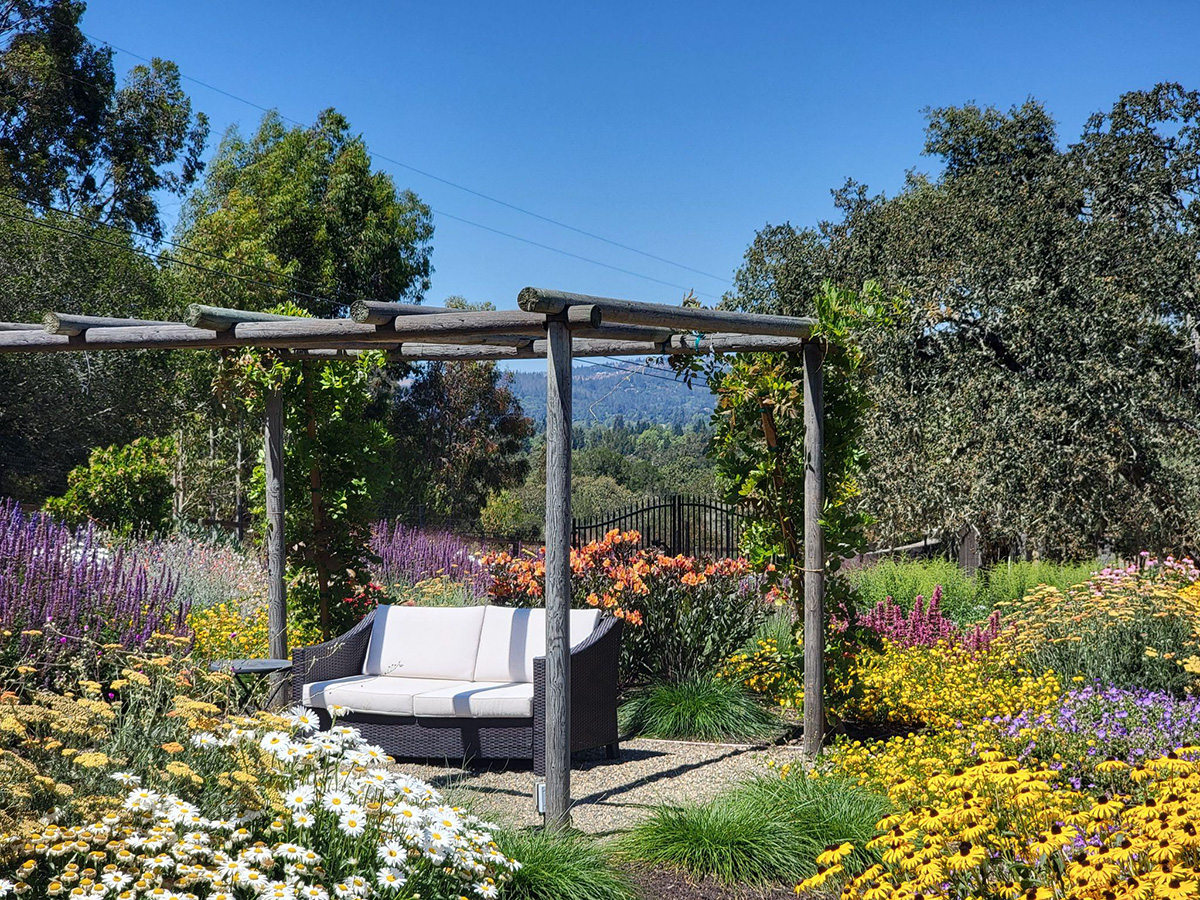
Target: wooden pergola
[{"x": 549, "y": 324}]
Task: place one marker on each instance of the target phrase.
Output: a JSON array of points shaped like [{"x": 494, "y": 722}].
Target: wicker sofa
[{"x": 462, "y": 683}]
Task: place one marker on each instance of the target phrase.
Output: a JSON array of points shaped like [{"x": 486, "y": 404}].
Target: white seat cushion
[
  {"x": 373, "y": 693},
  {"x": 424, "y": 642},
  {"x": 511, "y": 638},
  {"x": 479, "y": 699}
]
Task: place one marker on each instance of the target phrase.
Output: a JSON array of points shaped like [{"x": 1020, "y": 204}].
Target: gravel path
[{"x": 610, "y": 795}]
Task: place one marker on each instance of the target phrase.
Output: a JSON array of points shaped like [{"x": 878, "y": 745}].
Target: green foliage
[
  {"x": 762, "y": 831},
  {"x": 699, "y": 709},
  {"x": 504, "y": 514},
  {"x": 69, "y": 136},
  {"x": 560, "y": 865},
  {"x": 1039, "y": 383},
  {"x": 1005, "y": 581},
  {"x": 903, "y": 580},
  {"x": 336, "y": 459},
  {"x": 125, "y": 489},
  {"x": 688, "y": 632},
  {"x": 59, "y": 406},
  {"x": 304, "y": 203},
  {"x": 759, "y": 441}
]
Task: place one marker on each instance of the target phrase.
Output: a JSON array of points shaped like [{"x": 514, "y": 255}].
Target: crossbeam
[{"x": 659, "y": 315}]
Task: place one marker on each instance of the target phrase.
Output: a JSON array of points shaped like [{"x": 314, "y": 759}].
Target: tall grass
[
  {"x": 561, "y": 865},
  {"x": 965, "y": 598},
  {"x": 699, "y": 709},
  {"x": 764, "y": 830}
]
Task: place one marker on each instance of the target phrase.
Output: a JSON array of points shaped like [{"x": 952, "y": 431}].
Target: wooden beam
[
  {"x": 21, "y": 326},
  {"x": 71, "y": 324},
  {"x": 379, "y": 312},
  {"x": 558, "y": 574},
  {"x": 814, "y": 551},
  {"x": 660, "y": 315},
  {"x": 623, "y": 333},
  {"x": 277, "y": 636},
  {"x": 218, "y": 318}
]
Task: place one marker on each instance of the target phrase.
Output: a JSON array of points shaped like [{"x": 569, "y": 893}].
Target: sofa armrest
[
  {"x": 593, "y": 688},
  {"x": 338, "y": 658}
]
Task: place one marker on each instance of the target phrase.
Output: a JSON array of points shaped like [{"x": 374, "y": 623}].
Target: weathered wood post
[
  {"x": 277, "y": 637},
  {"x": 558, "y": 573},
  {"x": 814, "y": 551}
]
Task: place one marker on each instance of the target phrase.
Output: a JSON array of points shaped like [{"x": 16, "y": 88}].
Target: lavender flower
[
  {"x": 408, "y": 555},
  {"x": 64, "y": 595}
]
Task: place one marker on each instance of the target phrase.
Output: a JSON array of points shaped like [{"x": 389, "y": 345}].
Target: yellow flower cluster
[
  {"x": 903, "y": 766},
  {"x": 944, "y": 686},
  {"x": 231, "y": 631},
  {"x": 767, "y": 672},
  {"x": 998, "y": 829}
]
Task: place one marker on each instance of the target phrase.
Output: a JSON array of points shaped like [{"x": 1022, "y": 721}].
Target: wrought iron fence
[{"x": 693, "y": 526}]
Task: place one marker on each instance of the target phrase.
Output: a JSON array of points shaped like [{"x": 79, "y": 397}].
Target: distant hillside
[{"x": 601, "y": 394}]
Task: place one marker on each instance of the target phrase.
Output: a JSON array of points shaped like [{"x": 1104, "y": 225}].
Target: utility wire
[{"x": 461, "y": 187}]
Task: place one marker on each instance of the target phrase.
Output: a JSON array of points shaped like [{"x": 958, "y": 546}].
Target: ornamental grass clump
[
  {"x": 1000, "y": 829},
  {"x": 763, "y": 830},
  {"x": 338, "y": 822},
  {"x": 699, "y": 709},
  {"x": 66, "y": 599},
  {"x": 561, "y": 864}
]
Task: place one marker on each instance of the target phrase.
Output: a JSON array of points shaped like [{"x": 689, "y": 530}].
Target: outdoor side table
[{"x": 247, "y": 672}]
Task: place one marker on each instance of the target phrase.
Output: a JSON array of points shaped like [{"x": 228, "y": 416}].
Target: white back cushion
[
  {"x": 511, "y": 638},
  {"x": 424, "y": 642}
]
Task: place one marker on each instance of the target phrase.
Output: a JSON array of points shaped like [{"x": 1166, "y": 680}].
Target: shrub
[
  {"x": 561, "y": 865},
  {"x": 66, "y": 601},
  {"x": 686, "y": 616},
  {"x": 999, "y": 829},
  {"x": 761, "y": 831},
  {"x": 125, "y": 489},
  {"x": 772, "y": 670},
  {"x": 1130, "y": 627},
  {"x": 240, "y": 630},
  {"x": 704, "y": 709},
  {"x": 504, "y": 514},
  {"x": 339, "y": 823}
]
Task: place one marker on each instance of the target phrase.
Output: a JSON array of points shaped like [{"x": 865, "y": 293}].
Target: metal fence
[{"x": 693, "y": 526}]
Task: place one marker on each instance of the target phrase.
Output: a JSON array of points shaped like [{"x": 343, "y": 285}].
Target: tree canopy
[
  {"x": 298, "y": 214},
  {"x": 1042, "y": 385},
  {"x": 70, "y": 136}
]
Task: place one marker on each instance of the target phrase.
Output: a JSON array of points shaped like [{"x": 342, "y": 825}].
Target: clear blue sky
[{"x": 678, "y": 129}]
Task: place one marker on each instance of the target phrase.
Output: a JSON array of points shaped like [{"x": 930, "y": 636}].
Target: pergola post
[
  {"x": 277, "y": 637},
  {"x": 558, "y": 573},
  {"x": 814, "y": 551}
]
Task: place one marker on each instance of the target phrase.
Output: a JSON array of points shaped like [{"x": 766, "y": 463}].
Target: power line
[
  {"x": 628, "y": 371},
  {"x": 594, "y": 262},
  {"x": 446, "y": 181}
]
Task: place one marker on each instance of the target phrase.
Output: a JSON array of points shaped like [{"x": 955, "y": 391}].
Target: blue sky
[{"x": 677, "y": 129}]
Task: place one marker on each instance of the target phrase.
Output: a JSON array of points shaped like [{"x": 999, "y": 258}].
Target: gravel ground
[{"x": 610, "y": 795}]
